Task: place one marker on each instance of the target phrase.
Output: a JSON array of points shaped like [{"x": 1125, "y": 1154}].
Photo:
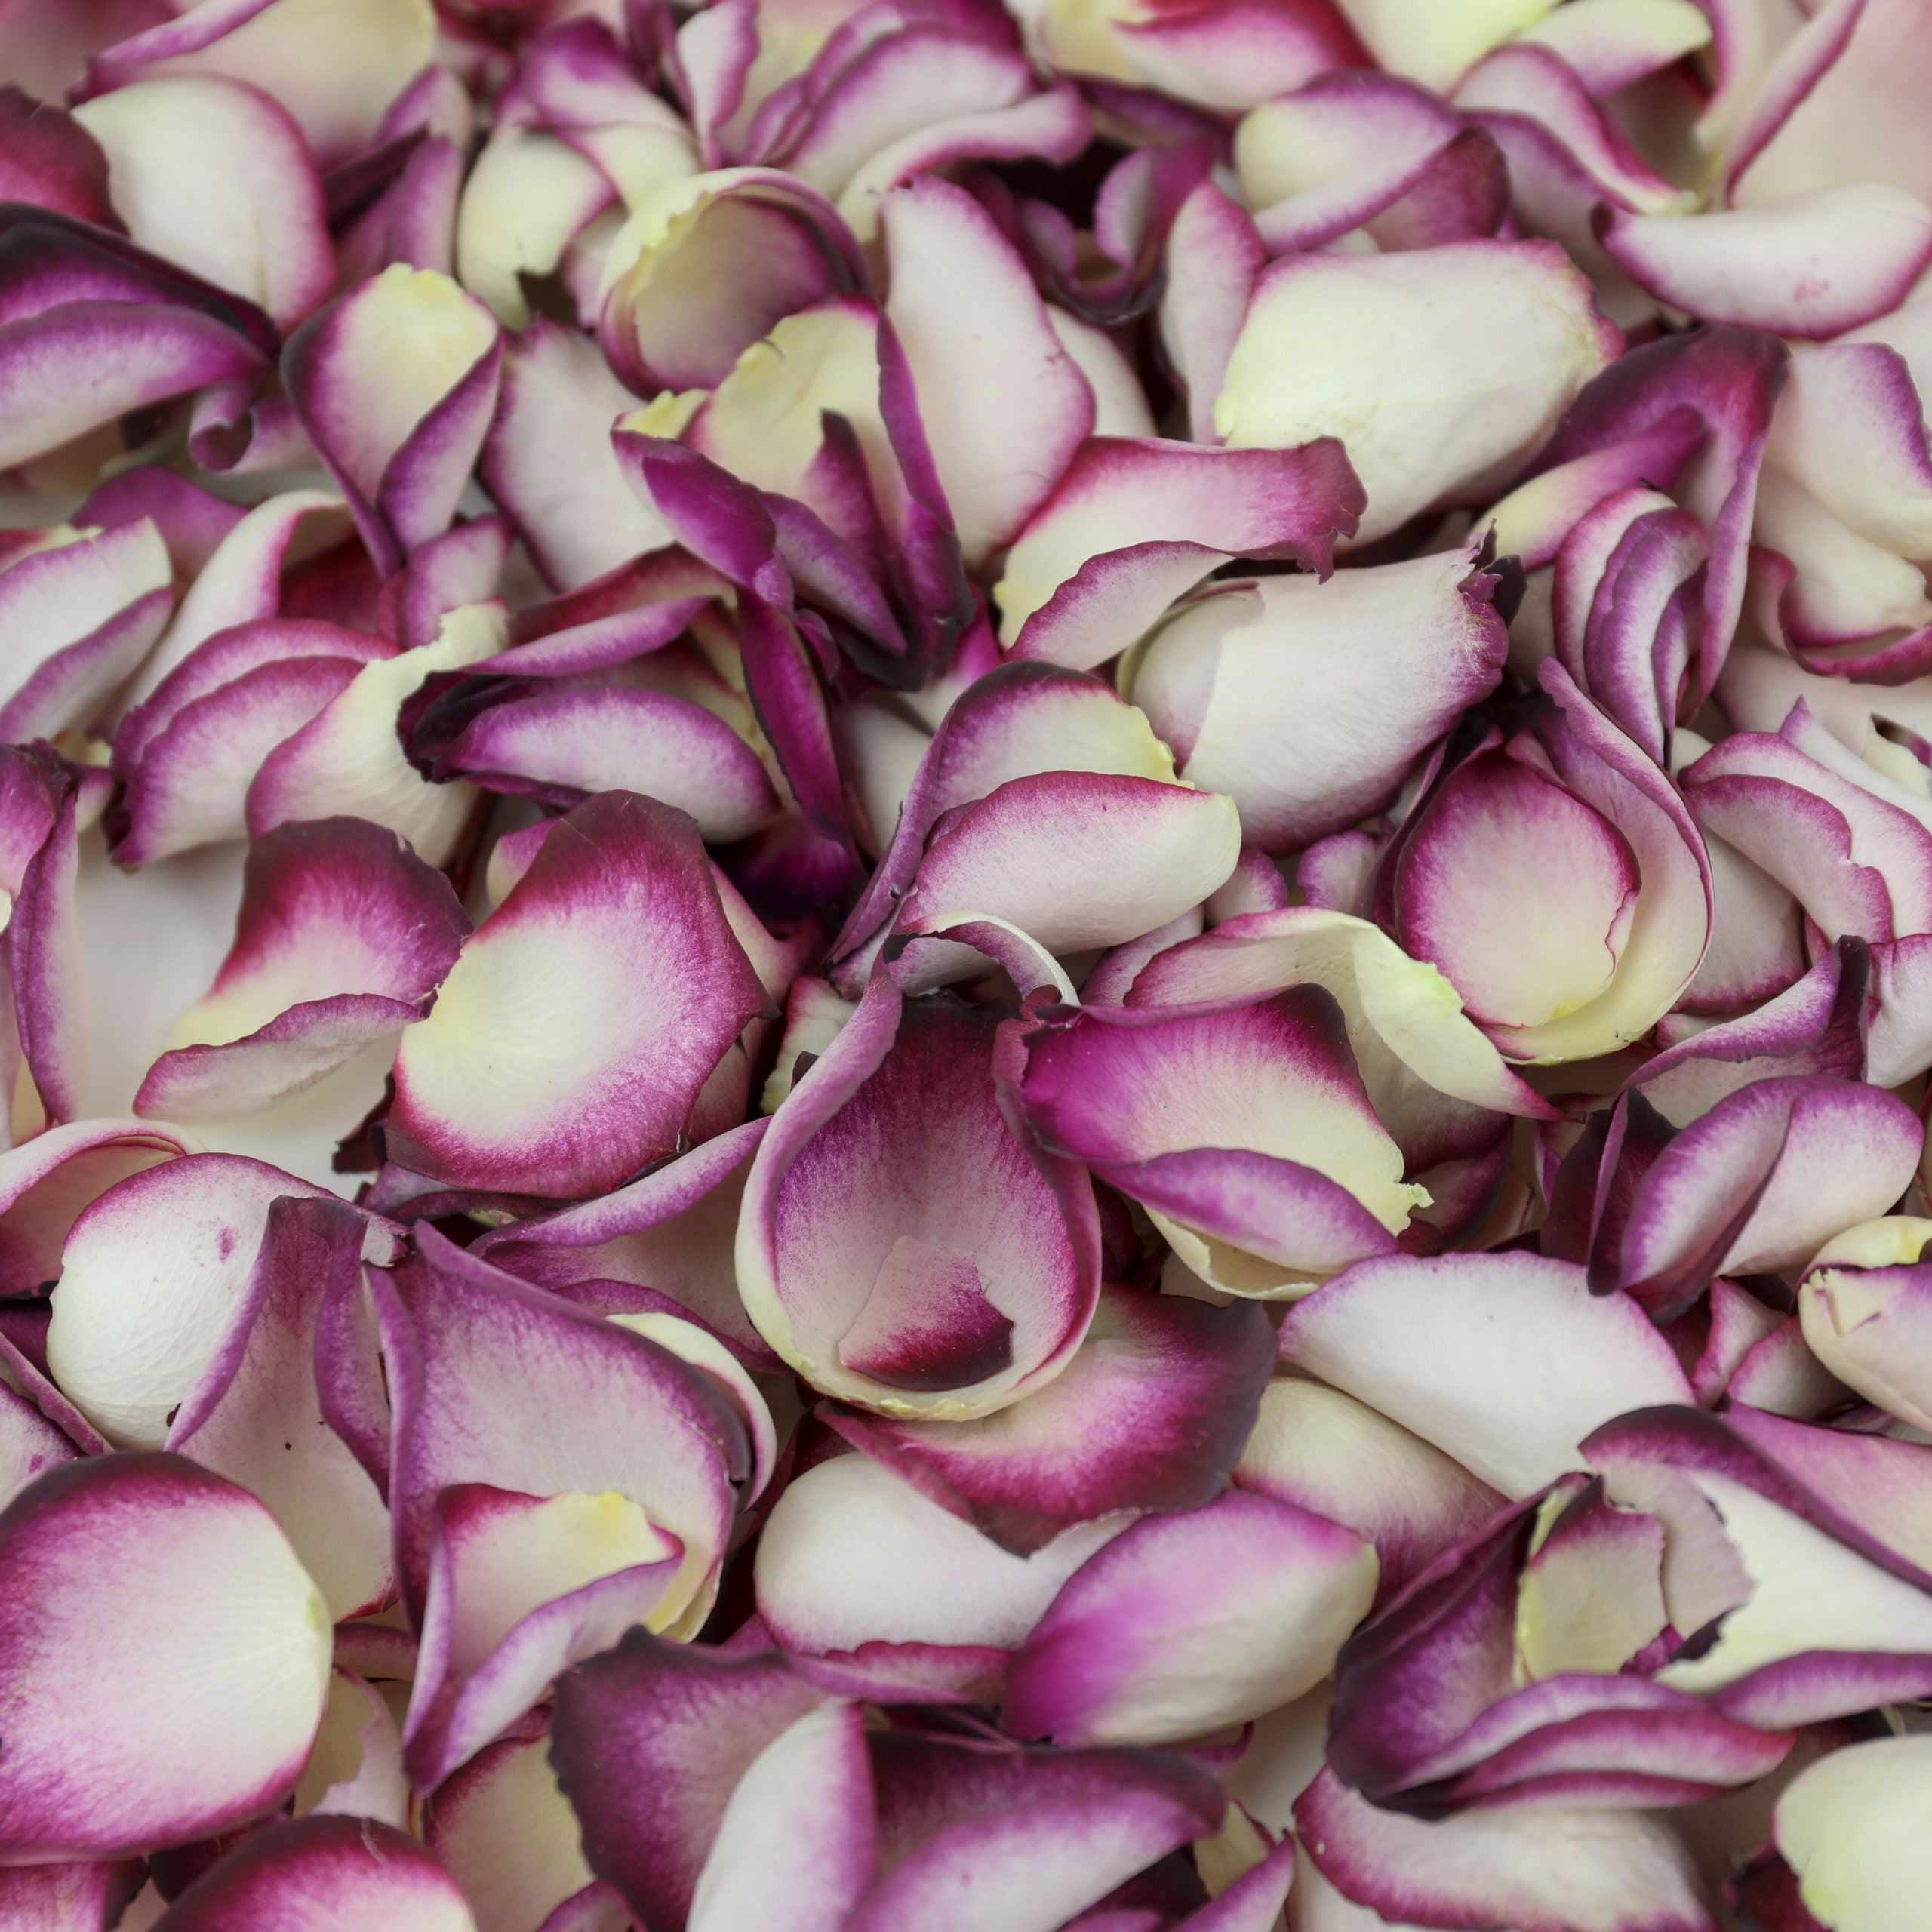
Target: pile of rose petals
[{"x": 965, "y": 969}]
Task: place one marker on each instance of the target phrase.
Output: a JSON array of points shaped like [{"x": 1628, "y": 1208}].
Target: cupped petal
[
  {"x": 1150, "y": 1414},
  {"x": 1324, "y": 331},
  {"x": 540, "y": 1069},
  {"x": 1129, "y": 1652},
  {"x": 1541, "y": 1361},
  {"x": 966, "y": 1271},
  {"x": 1808, "y": 266},
  {"x": 1362, "y": 674},
  {"x": 342, "y": 937},
  {"x": 323, "y": 1875},
  {"x": 396, "y": 383},
  {"x": 151, "y": 1276},
  {"x": 1135, "y": 522},
  {"x": 169, "y": 1659}
]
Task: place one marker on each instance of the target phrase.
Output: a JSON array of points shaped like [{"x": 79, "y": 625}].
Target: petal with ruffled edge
[
  {"x": 1131, "y": 1652},
  {"x": 1135, "y": 523},
  {"x": 342, "y": 938},
  {"x": 1504, "y": 1361},
  {"x": 168, "y": 1659},
  {"x": 543, "y": 1068}
]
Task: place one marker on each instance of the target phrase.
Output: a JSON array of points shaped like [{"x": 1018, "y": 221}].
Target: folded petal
[
  {"x": 1539, "y": 1362},
  {"x": 342, "y": 937},
  {"x": 1864, "y": 1308},
  {"x": 540, "y": 1069},
  {"x": 966, "y": 1271},
  {"x": 1135, "y": 523},
  {"x": 1150, "y": 1414},
  {"x": 1129, "y": 1653},
  {"x": 396, "y": 383},
  {"x": 1323, "y": 331},
  {"x": 169, "y": 1659}
]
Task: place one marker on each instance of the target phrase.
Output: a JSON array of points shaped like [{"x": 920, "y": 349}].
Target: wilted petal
[
  {"x": 214, "y": 176},
  {"x": 965, "y": 1271},
  {"x": 1135, "y": 522},
  {"x": 1246, "y": 1134},
  {"x": 1150, "y": 1414},
  {"x": 152, "y": 1276},
  {"x": 396, "y": 383},
  {"x": 1515, "y": 318},
  {"x": 543, "y": 1069},
  {"x": 323, "y": 1875},
  {"x": 1362, "y": 674},
  {"x": 1811, "y": 265},
  {"x": 342, "y": 938},
  {"x": 1504, "y": 1361},
  {"x": 1135, "y": 1650},
  {"x": 168, "y": 1659}
]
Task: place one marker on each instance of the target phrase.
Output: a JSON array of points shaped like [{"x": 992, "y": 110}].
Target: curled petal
[
  {"x": 1547, "y": 1362},
  {"x": 582, "y": 1082},
  {"x": 342, "y": 937},
  {"x": 131, "y": 1582},
  {"x": 1130, "y": 1653},
  {"x": 1135, "y": 522}
]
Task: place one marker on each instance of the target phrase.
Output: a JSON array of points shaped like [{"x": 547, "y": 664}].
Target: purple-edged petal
[
  {"x": 574, "y": 1035},
  {"x": 1535, "y": 1869},
  {"x": 168, "y": 1660},
  {"x": 214, "y": 176},
  {"x": 1003, "y": 406},
  {"x": 1246, "y": 1132},
  {"x": 563, "y": 744},
  {"x": 1325, "y": 1452},
  {"x": 1865, "y": 1306},
  {"x": 1504, "y": 1361},
  {"x": 1323, "y": 331},
  {"x": 1214, "y": 254},
  {"x": 1810, "y": 265},
  {"x": 964, "y": 1271},
  {"x": 396, "y": 383},
  {"x": 1134, "y": 1651},
  {"x": 323, "y": 1875},
  {"x": 580, "y": 1406},
  {"x": 1362, "y": 673},
  {"x": 258, "y": 1399},
  {"x": 152, "y": 1276},
  {"x": 1150, "y": 1414},
  {"x": 1135, "y": 522},
  {"x": 851, "y": 1555},
  {"x": 342, "y": 937}
]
